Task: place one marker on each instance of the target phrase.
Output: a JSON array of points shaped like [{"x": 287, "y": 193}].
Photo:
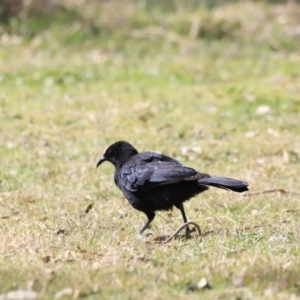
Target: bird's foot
[{"x": 189, "y": 231}]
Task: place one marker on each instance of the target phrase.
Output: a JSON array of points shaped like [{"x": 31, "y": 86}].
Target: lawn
[{"x": 215, "y": 87}]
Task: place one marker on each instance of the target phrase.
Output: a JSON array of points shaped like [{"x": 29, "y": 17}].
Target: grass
[{"x": 228, "y": 105}]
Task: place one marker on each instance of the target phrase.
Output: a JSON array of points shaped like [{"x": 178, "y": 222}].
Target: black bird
[{"x": 151, "y": 181}]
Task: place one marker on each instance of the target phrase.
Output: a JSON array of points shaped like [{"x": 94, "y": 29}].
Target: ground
[{"x": 221, "y": 96}]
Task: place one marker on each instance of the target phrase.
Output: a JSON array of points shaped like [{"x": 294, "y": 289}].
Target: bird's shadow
[
  {"x": 180, "y": 237},
  {"x": 163, "y": 239}
]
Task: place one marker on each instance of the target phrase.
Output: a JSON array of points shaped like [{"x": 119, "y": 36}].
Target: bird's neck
[{"x": 121, "y": 160}]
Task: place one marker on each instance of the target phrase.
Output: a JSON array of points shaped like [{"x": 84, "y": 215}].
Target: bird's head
[{"x": 118, "y": 154}]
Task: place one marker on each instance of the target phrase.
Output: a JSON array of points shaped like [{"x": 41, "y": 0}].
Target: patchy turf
[{"x": 224, "y": 104}]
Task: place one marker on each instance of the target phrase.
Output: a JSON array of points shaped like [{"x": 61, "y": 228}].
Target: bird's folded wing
[{"x": 144, "y": 174}]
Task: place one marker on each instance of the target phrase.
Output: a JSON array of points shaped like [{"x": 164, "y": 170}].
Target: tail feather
[{"x": 225, "y": 183}]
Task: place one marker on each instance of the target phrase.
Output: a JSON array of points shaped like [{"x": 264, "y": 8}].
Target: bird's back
[{"x": 153, "y": 181}]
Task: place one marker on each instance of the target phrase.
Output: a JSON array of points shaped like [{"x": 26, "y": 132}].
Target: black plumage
[{"x": 152, "y": 182}]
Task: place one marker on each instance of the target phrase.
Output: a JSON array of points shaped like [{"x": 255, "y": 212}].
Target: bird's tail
[{"x": 225, "y": 183}]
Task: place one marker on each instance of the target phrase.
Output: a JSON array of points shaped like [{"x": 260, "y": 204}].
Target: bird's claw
[{"x": 189, "y": 231}]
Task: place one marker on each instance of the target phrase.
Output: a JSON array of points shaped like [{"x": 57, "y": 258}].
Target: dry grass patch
[{"x": 221, "y": 105}]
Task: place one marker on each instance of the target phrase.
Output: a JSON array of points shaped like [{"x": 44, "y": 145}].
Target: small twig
[
  {"x": 256, "y": 226},
  {"x": 90, "y": 206},
  {"x": 180, "y": 229},
  {"x": 282, "y": 191},
  {"x": 292, "y": 210}
]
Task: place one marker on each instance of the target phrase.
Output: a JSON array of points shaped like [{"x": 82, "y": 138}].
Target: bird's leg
[
  {"x": 150, "y": 215},
  {"x": 181, "y": 208}
]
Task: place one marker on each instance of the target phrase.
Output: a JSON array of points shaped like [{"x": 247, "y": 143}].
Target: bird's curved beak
[{"x": 102, "y": 159}]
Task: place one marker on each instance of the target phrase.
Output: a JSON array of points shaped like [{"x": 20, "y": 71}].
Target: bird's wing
[{"x": 148, "y": 170}]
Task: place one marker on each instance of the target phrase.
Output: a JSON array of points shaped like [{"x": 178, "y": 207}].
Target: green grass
[{"x": 65, "y": 97}]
